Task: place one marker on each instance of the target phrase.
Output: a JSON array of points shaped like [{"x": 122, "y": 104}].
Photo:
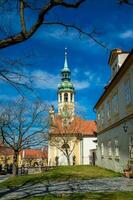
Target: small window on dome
[{"x": 66, "y": 97}]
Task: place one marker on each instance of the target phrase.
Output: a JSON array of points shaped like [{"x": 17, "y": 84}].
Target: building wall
[
  {"x": 118, "y": 61},
  {"x": 6, "y": 160},
  {"x": 82, "y": 152},
  {"x": 111, "y": 128},
  {"x": 87, "y": 145},
  {"x": 70, "y": 103},
  {"x": 113, "y": 162},
  {"x": 53, "y": 151},
  {"x": 123, "y": 109}
]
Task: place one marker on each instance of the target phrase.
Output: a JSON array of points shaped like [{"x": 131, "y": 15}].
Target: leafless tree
[
  {"x": 41, "y": 9},
  {"x": 12, "y": 72},
  {"x": 128, "y": 2},
  {"x": 23, "y": 125},
  {"x": 65, "y": 133}
]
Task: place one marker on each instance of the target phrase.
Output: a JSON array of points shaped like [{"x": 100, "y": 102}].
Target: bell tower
[{"x": 66, "y": 89}]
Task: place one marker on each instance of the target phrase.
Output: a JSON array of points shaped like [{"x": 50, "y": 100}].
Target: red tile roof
[
  {"x": 78, "y": 126},
  {"x": 34, "y": 153},
  {"x": 5, "y": 150},
  {"x": 29, "y": 153}
]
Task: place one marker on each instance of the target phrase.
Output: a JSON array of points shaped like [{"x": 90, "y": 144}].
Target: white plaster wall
[
  {"x": 123, "y": 142},
  {"x": 121, "y": 58},
  {"x": 112, "y": 133},
  {"x": 53, "y": 152},
  {"x": 88, "y": 145},
  {"x": 121, "y": 99}
]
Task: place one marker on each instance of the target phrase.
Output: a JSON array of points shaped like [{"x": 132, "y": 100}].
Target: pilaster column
[{"x": 73, "y": 98}]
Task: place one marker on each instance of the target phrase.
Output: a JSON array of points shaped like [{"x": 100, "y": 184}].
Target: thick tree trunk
[{"x": 15, "y": 163}]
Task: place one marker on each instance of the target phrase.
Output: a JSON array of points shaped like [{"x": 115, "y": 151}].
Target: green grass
[
  {"x": 87, "y": 196},
  {"x": 59, "y": 174}
]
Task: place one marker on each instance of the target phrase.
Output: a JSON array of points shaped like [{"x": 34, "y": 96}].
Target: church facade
[{"x": 71, "y": 138}]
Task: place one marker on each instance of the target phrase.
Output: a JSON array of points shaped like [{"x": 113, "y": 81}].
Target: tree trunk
[
  {"x": 68, "y": 160},
  {"x": 68, "y": 157},
  {"x": 15, "y": 163}
]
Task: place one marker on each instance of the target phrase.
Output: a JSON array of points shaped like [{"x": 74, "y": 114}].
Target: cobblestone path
[{"x": 92, "y": 185}]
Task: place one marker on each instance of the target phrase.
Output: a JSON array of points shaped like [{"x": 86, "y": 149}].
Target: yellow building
[
  {"x": 33, "y": 157},
  {"x": 71, "y": 138},
  {"x": 6, "y": 157},
  {"x": 27, "y": 158}
]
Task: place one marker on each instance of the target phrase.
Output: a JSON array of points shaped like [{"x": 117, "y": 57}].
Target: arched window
[
  {"x": 66, "y": 97},
  {"x": 71, "y": 97},
  {"x": 60, "y": 98}
]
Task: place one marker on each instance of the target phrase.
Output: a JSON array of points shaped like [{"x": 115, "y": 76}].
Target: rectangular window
[
  {"x": 127, "y": 92},
  {"x": 131, "y": 146},
  {"x": 102, "y": 117},
  {"x": 98, "y": 118},
  {"x": 108, "y": 110},
  {"x": 109, "y": 148},
  {"x": 102, "y": 149},
  {"x": 116, "y": 148},
  {"x": 115, "y": 104}
]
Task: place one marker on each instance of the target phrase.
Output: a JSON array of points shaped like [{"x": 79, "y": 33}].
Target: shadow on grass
[
  {"x": 40, "y": 185},
  {"x": 24, "y": 188},
  {"x": 85, "y": 196}
]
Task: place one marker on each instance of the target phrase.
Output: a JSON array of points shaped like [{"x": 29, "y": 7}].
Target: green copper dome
[{"x": 66, "y": 86}]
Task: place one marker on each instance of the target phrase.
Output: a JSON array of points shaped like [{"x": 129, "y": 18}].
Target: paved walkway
[
  {"x": 4, "y": 177},
  {"x": 93, "y": 185}
]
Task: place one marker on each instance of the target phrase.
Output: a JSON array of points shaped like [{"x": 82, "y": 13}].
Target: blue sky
[{"x": 87, "y": 60}]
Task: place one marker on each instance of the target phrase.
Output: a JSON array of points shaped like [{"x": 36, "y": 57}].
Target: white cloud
[
  {"x": 45, "y": 80},
  {"x": 57, "y": 32},
  {"x": 127, "y": 34},
  {"x": 90, "y": 75},
  {"x": 71, "y": 36},
  {"x": 79, "y": 85},
  {"x": 87, "y": 73},
  {"x": 75, "y": 71}
]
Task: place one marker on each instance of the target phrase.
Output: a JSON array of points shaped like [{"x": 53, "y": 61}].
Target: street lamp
[{"x": 125, "y": 127}]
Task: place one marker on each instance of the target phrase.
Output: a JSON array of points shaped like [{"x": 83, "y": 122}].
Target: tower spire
[
  {"x": 66, "y": 89},
  {"x": 66, "y": 63}
]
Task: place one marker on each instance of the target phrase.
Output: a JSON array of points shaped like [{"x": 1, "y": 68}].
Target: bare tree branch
[
  {"x": 15, "y": 120},
  {"x": 24, "y": 35},
  {"x": 69, "y": 26},
  {"x": 128, "y": 2},
  {"x": 22, "y": 20}
]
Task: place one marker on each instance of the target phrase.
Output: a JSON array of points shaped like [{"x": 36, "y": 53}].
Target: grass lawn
[
  {"x": 59, "y": 174},
  {"x": 87, "y": 196}
]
